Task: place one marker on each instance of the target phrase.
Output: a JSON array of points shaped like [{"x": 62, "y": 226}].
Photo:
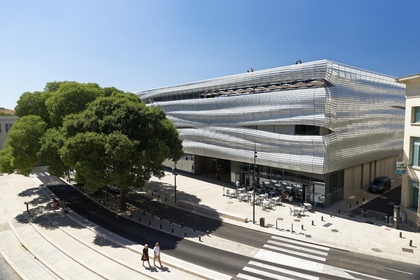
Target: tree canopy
[{"x": 108, "y": 136}]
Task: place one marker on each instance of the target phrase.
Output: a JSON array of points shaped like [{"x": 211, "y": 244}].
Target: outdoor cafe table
[
  {"x": 307, "y": 205},
  {"x": 298, "y": 210},
  {"x": 241, "y": 189},
  {"x": 241, "y": 196},
  {"x": 264, "y": 204}
]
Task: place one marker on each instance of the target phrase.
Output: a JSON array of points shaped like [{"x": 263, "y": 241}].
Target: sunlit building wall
[{"x": 312, "y": 125}]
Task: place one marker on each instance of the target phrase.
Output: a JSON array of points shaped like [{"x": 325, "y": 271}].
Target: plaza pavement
[
  {"x": 341, "y": 231},
  {"x": 54, "y": 245},
  {"x": 46, "y": 244}
]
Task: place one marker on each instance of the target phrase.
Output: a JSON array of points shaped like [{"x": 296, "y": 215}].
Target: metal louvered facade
[{"x": 359, "y": 113}]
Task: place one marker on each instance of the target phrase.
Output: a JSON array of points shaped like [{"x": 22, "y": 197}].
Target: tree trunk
[{"x": 123, "y": 206}]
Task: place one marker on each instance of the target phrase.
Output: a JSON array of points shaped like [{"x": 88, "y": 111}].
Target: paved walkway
[
  {"x": 46, "y": 244},
  {"x": 357, "y": 234}
]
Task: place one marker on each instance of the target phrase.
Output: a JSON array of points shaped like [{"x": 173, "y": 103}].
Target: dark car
[
  {"x": 380, "y": 184},
  {"x": 114, "y": 188}
]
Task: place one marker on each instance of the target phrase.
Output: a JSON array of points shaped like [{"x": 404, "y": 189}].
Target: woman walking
[{"x": 145, "y": 256}]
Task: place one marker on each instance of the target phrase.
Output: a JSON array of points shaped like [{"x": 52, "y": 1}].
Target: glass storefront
[{"x": 322, "y": 190}]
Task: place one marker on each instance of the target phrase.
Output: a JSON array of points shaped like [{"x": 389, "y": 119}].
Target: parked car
[
  {"x": 114, "y": 188},
  {"x": 380, "y": 184}
]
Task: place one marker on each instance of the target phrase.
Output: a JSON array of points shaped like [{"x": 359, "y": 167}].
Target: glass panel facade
[
  {"x": 306, "y": 130},
  {"x": 416, "y": 149},
  {"x": 302, "y": 186}
]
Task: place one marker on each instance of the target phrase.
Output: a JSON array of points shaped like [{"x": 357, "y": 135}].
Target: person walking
[
  {"x": 156, "y": 252},
  {"x": 145, "y": 256}
]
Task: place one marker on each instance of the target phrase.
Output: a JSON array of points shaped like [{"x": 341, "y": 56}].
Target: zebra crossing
[
  {"x": 41, "y": 174},
  {"x": 284, "y": 258}
]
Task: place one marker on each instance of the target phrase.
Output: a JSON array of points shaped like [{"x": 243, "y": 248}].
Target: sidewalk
[
  {"x": 356, "y": 234},
  {"x": 47, "y": 244}
]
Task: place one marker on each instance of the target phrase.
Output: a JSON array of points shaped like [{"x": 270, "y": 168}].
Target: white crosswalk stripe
[
  {"x": 41, "y": 174},
  {"x": 283, "y": 258}
]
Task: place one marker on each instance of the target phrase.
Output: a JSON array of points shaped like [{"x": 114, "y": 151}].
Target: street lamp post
[
  {"x": 255, "y": 180},
  {"x": 175, "y": 178}
]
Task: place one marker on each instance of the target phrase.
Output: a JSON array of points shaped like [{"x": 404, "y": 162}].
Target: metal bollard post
[
  {"x": 194, "y": 229},
  {"x": 152, "y": 193},
  {"x": 161, "y": 218},
  {"x": 158, "y": 195},
  {"x": 400, "y": 234},
  {"x": 357, "y": 202},
  {"x": 185, "y": 234},
  {"x": 172, "y": 230},
  {"x": 144, "y": 211},
  {"x": 363, "y": 199},
  {"x": 292, "y": 229},
  {"x": 139, "y": 219},
  {"x": 182, "y": 225},
  {"x": 338, "y": 211},
  {"x": 199, "y": 238},
  {"x": 411, "y": 243},
  {"x": 207, "y": 233},
  {"x": 349, "y": 205},
  {"x": 312, "y": 222},
  {"x": 151, "y": 214},
  {"x": 170, "y": 221},
  {"x": 302, "y": 227},
  {"x": 160, "y": 226},
  {"x": 150, "y": 223},
  {"x": 166, "y": 199},
  {"x": 322, "y": 218},
  {"x": 330, "y": 214},
  {"x": 27, "y": 207}
]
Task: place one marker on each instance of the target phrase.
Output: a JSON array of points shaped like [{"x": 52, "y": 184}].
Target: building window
[
  {"x": 416, "y": 151},
  {"x": 8, "y": 127},
  {"x": 306, "y": 130},
  {"x": 414, "y": 195},
  {"x": 416, "y": 115}
]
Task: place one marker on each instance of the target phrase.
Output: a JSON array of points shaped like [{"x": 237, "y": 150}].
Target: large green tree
[
  {"x": 71, "y": 98},
  {"x": 106, "y": 135},
  {"x": 23, "y": 144},
  {"x": 120, "y": 140},
  {"x": 33, "y": 104}
]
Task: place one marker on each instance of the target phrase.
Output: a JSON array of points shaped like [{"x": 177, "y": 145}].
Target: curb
[{"x": 197, "y": 274}]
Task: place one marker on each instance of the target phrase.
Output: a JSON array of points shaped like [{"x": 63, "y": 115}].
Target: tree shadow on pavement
[
  {"x": 163, "y": 192},
  {"x": 37, "y": 196}
]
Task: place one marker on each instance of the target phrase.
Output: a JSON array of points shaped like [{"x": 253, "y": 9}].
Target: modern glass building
[{"x": 321, "y": 130}]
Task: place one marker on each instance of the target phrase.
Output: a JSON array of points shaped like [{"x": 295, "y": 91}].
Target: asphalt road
[
  {"x": 209, "y": 257},
  {"x": 213, "y": 258},
  {"x": 385, "y": 202}
]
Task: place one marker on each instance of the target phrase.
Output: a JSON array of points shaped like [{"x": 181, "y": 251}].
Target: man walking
[{"x": 156, "y": 251}]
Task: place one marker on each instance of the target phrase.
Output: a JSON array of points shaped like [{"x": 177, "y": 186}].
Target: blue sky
[{"x": 135, "y": 45}]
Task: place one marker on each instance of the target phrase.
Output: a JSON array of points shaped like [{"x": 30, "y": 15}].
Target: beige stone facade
[
  {"x": 6, "y": 123},
  {"x": 410, "y": 194}
]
